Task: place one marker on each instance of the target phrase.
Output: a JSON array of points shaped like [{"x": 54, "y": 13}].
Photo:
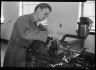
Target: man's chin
[{"x": 41, "y": 20}]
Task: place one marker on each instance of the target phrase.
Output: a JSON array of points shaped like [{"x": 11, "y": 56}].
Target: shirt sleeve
[{"x": 29, "y": 33}]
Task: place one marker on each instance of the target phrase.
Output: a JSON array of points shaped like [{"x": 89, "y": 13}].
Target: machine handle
[{"x": 69, "y": 35}]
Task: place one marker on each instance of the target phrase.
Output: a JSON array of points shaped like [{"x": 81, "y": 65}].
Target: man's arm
[{"x": 29, "y": 33}]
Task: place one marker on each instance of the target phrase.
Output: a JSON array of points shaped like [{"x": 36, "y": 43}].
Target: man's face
[{"x": 43, "y": 14}]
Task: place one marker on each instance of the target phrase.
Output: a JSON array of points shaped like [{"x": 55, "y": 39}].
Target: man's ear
[{"x": 39, "y": 9}]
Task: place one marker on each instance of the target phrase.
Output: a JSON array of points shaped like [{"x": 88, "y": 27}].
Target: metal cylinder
[{"x": 83, "y": 30}]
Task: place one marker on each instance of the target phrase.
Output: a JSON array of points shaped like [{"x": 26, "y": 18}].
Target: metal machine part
[
  {"x": 84, "y": 26},
  {"x": 48, "y": 56}
]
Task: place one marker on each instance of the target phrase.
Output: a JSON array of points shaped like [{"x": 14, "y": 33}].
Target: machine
[{"x": 47, "y": 54}]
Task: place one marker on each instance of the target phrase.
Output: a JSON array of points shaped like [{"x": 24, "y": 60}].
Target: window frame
[
  {"x": 81, "y": 13},
  {"x": 2, "y": 13}
]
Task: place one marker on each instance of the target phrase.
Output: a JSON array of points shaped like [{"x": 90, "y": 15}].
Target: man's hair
[{"x": 43, "y": 6}]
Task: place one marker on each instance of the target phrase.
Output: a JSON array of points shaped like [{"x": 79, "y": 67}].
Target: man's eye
[{"x": 46, "y": 14}]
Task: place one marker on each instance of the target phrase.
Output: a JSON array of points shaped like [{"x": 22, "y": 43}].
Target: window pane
[
  {"x": 93, "y": 28},
  {"x": 27, "y": 3},
  {"x": 28, "y": 7},
  {"x": 25, "y": 10},
  {"x": 93, "y": 19},
  {"x": 93, "y": 24},
  {"x": 31, "y": 8},
  {"x": 89, "y": 9}
]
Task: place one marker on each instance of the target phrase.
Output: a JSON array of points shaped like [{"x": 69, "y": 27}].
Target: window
[
  {"x": 28, "y": 7},
  {"x": 87, "y": 9},
  {"x": 2, "y": 16}
]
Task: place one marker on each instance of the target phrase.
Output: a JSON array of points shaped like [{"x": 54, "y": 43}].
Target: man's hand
[{"x": 41, "y": 27}]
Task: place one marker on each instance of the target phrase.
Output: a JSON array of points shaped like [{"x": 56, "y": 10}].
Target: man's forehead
[{"x": 47, "y": 10}]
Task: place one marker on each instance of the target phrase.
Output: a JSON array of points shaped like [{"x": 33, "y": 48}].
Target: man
[{"x": 25, "y": 30}]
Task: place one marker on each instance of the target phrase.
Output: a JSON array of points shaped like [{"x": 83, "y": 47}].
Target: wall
[
  {"x": 65, "y": 13},
  {"x": 11, "y": 12}
]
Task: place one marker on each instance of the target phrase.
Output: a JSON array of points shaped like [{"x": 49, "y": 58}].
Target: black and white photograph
[{"x": 37, "y": 34}]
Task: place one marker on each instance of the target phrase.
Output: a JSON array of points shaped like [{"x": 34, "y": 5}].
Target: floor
[{"x": 5, "y": 44}]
